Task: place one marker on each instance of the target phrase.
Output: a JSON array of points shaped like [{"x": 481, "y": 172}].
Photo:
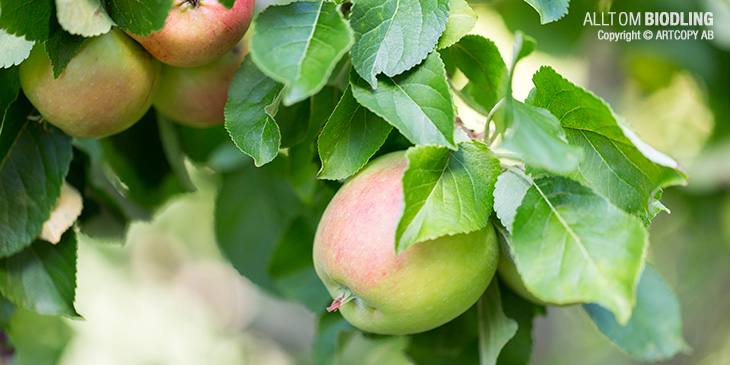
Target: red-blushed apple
[
  {"x": 425, "y": 286},
  {"x": 196, "y": 96},
  {"x": 106, "y": 88},
  {"x": 198, "y": 32}
]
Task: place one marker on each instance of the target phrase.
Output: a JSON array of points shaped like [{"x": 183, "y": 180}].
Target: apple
[
  {"x": 377, "y": 291},
  {"x": 106, "y": 88},
  {"x": 198, "y": 32},
  {"x": 510, "y": 276},
  {"x": 196, "y": 96}
]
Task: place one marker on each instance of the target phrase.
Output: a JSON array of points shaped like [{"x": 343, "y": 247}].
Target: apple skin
[
  {"x": 510, "y": 276},
  {"x": 198, "y": 32},
  {"x": 106, "y": 88},
  {"x": 196, "y": 96},
  {"x": 425, "y": 286}
]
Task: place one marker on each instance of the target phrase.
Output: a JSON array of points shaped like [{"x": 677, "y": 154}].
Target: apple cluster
[{"x": 184, "y": 70}]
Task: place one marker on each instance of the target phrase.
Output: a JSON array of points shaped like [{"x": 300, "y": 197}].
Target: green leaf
[
  {"x": 522, "y": 46},
  {"x": 39, "y": 339},
  {"x": 536, "y": 136},
  {"x": 328, "y": 341},
  {"x": 227, "y": 3},
  {"x": 573, "y": 246},
  {"x": 15, "y": 49},
  {"x": 495, "y": 328},
  {"x": 616, "y": 165},
  {"x": 138, "y": 158},
  {"x": 253, "y": 101},
  {"x": 87, "y": 18},
  {"x": 31, "y": 174},
  {"x": 392, "y": 36},
  {"x": 172, "y": 148},
  {"x": 364, "y": 349},
  {"x": 293, "y": 122},
  {"x": 519, "y": 349},
  {"x": 140, "y": 17},
  {"x": 199, "y": 143},
  {"x": 654, "y": 332},
  {"x": 9, "y": 88},
  {"x": 462, "y": 18},
  {"x": 446, "y": 192},
  {"x": 479, "y": 60},
  {"x": 417, "y": 102},
  {"x": 350, "y": 138},
  {"x": 456, "y": 342},
  {"x": 292, "y": 268},
  {"x": 299, "y": 44},
  {"x": 549, "y": 10},
  {"x": 61, "y": 48},
  {"x": 42, "y": 277},
  {"x": 27, "y": 18},
  {"x": 253, "y": 209}
]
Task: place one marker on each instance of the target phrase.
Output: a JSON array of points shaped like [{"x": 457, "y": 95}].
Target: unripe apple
[
  {"x": 104, "y": 89},
  {"x": 510, "y": 276},
  {"x": 198, "y": 32},
  {"x": 377, "y": 291},
  {"x": 196, "y": 96}
]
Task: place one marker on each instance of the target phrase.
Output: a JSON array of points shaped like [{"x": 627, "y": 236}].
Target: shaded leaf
[
  {"x": 42, "y": 277},
  {"x": 27, "y": 18},
  {"x": 654, "y": 332},
  {"x": 350, "y": 138},
  {"x": 253, "y": 209},
  {"x": 299, "y": 44},
  {"x": 519, "y": 349},
  {"x": 479, "y": 60},
  {"x": 456, "y": 342},
  {"x": 495, "y": 328},
  {"x": 35, "y": 161},
  {"x": 392, "y": 36},
  {"x": 138, "y": 158},
  {"x": 328, "y": 341},
  {"x": 9, "y": 88},
  {"x": 39, "y": 339},
  {"x": 417, "y": 102}
]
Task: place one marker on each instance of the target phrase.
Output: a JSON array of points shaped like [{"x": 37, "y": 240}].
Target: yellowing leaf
[{"x": 64, "y": 215}]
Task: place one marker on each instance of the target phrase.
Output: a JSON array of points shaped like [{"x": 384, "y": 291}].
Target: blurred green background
[{"x": 165, "y": 295}]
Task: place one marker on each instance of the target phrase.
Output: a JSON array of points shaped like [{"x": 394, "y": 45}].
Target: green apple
[
  {"x": 106, "y": 88},
  {"x": 377, "y": 291},
  {"x": 196, "y": 96},
  {"x": 510, "y": 276},
  {"x": 198, "y": 32}
]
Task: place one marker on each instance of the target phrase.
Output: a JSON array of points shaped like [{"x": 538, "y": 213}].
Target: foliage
[{"x": 327, "y": 87}]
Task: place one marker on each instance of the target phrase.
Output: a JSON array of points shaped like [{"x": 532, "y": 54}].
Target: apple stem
[{"x": 346, "y": 295}]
